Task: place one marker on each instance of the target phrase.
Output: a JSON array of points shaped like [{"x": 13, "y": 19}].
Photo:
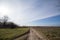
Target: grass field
[
  {"x": 51, "y": 33},
  {"x": 8, "y": 33}
]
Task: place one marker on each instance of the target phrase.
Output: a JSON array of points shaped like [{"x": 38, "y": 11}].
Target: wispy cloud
[{"x": 23, "y": 11}]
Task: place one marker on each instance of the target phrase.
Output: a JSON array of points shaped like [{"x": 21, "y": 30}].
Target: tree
[
  {"x": 1, "y": 22},
  {"x": 5, "y": 24},
  {"x": 4, "y": 20}
]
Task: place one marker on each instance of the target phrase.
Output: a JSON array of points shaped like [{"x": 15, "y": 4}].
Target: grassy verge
[
  {"x": 8, "y": 34},
  {"x": 52, "y": 33}
]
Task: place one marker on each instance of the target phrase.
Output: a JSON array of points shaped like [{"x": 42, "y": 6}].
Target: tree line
[{"x": 5, "y": 24}]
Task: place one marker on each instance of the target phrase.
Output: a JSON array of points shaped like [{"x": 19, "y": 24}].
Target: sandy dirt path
[
  {"x": 31, "y": 35},
  {"x": 34, "y": 35}
]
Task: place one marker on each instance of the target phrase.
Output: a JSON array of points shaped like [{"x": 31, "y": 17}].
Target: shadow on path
[{"x": 26, "y": 33}]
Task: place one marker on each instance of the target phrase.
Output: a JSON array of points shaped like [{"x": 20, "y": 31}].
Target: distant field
[
  {"x": 8, "y": 34},
  {"x": 51, "y": 33}
]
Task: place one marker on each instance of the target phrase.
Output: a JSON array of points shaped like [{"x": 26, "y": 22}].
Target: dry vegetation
[{"x": 51, "y": 33}]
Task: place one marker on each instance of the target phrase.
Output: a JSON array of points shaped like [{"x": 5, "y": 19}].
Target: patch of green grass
[{"x": 8, "y": 34}]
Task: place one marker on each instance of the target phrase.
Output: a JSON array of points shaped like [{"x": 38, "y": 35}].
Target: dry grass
[{"x": 52, "y": 33}]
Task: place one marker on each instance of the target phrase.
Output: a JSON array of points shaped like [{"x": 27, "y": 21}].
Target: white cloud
[{"x": 23, "y": 11}]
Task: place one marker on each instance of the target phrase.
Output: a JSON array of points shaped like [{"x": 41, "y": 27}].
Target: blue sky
[
  {"x": 22, "y": 12},
  {"x": 50, "y": 21}
]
